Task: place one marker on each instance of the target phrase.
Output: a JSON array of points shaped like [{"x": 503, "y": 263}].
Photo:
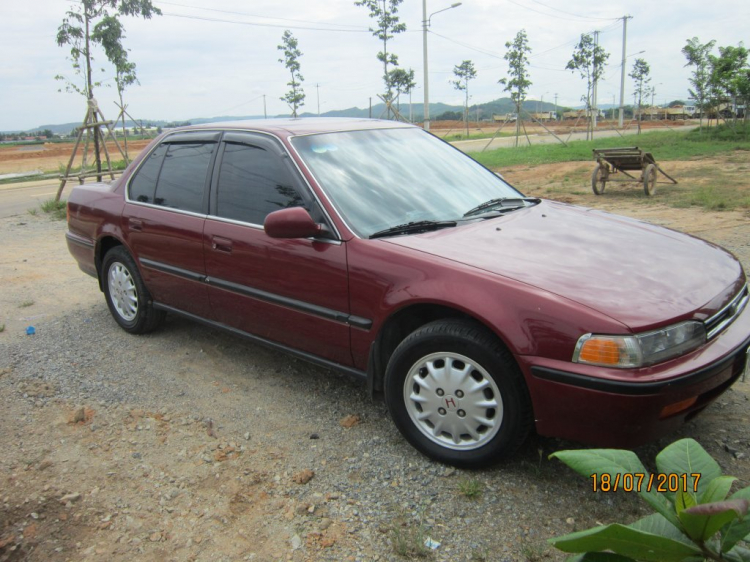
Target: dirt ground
[
  {"x": 52, "y": 157},
  {"x": 191, "y": 445}
]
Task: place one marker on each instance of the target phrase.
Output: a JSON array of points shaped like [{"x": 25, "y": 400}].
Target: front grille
[{"x": 726, "y": 315}]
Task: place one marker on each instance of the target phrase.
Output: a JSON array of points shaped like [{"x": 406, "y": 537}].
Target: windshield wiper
[
  {"x": 411, "y": 227},
  {"x": 515, "y": 203}
]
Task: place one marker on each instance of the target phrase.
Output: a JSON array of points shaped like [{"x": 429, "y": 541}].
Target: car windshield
[{"x": 381, "y": 178}]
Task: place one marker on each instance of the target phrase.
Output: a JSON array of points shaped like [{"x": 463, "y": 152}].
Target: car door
[
  {"x": 164, "y": 216},
  {"x": 290, "y": 291}
]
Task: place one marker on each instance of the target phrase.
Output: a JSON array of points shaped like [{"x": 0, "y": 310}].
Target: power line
[
  {"x": 571, "y": 14},
  {"x": 256, "y": 24},
  {"x": 259, "y": 16},
  {"x": 545, "y": 13}
]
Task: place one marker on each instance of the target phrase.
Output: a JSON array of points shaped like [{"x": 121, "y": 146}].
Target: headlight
[{"x": 631, "y": 352}]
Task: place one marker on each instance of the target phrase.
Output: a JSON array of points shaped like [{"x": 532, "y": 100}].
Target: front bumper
[{"x": 626, "y": 408}]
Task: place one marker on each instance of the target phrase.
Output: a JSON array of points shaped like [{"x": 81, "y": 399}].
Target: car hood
[{"x": 636, "y": 273}]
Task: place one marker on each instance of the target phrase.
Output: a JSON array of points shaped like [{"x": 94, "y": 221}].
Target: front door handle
[
  {"x": 135, "y": 224},
  {"x": 221, "y": 244}
]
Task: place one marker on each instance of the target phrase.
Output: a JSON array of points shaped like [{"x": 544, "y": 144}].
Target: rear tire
[
  {"x": 599, "y": 179},
  {"x": 127, "y": 297},
  {"x": 457, "y": 395}
]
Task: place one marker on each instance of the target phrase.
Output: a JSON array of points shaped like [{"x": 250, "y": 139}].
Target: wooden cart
[{"x": 611, "y": 161}]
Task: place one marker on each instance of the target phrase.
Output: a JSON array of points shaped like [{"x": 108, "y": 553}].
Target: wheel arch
[
  {"x": 402, "y": 323},
  {"x": 104, "y": 245}
]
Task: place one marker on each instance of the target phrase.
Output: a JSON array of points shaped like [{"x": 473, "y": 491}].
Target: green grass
[
  {"x": 673, "y": 145},
  {"x": 470, "y": 488},
  {"x": 26, "y": 304},
  {"x": 55, "y": 209},
  {"x": 2, "y": 328}
]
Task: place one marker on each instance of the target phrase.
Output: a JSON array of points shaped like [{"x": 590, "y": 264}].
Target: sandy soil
[{"x": 53, "y": 157}]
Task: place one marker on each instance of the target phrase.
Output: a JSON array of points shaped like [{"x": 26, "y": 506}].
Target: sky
[{"x": 220, "y": 58}]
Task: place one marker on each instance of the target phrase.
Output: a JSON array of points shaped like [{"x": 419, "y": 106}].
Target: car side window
[
  {"x": 182, "y": 181},
  {"x": 253, "y": 182},
  {"x": 143, "y": 185}
]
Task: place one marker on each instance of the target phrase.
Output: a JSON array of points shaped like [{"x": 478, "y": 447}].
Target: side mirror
[{"x": 294, "y": 222}]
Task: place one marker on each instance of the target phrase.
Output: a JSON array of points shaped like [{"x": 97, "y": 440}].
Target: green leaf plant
[{"x": 695, "y": 517}]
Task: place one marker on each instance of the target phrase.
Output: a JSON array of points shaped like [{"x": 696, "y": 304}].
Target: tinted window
[
  {"x": 182, "y": 181},
  {"x": 252, "y": 183},
  {"x": 143, "y": 185}
]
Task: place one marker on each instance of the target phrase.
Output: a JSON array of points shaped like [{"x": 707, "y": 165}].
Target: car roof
[{"x": 302, "y": 125}]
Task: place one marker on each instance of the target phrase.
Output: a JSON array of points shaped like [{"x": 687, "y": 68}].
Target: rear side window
[
  {"x": 253, "y": 182},
  {"x": 182, "y": 181},
  {"x": 143, "y": 185}
]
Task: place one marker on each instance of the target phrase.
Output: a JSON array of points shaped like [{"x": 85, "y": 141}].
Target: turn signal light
[
  {"x": 600, "y": 351},
  {"x": 677, "y": 407}
]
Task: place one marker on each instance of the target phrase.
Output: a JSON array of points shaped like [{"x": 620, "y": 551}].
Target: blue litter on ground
[{"x": 30, "y": 331}]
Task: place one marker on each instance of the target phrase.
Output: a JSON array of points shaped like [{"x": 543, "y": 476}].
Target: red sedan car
[{"x": 374, "y": 248}]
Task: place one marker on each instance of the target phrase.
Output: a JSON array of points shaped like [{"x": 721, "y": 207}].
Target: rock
[
  {"x": 296, "y": 542},
  {"x": 304, "y": 476},
  {"x": 349, "y": 421},
  {"x": 247, "y": 436},
  {"x": 78, "y": 416},
  {"x": 74, "y": 497}
]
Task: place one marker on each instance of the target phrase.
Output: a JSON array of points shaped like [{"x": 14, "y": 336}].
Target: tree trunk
[{"x": 90, "y": 88}]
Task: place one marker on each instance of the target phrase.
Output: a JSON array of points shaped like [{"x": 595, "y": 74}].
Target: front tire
[
  {"x": 456, "y": 394},
  {"x": 128, "y": 299}
]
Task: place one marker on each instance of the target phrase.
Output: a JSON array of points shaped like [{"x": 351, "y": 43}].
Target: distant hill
[{"x": 498, "y": 106}]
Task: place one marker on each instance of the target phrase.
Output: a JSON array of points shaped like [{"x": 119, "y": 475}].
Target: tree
[
  {"x": 641, "y": 78},
  {"x": 295, "y": 97},
  {"x": 464, "y": 72},
  {"x": 697, "y": 57},
  {"x": 729, "y": 75},
  {"x": 385, "y": 12},
  {"x": 402, "y": 81},
  {"x": 589, "y": 60},
  {"x": 518, "y": 81},
  {"x": 96, "y": 22}
]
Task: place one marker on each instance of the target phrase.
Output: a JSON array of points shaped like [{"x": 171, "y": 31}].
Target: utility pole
[
  {"x": 370, "y": 108},
  {"x": 317, "y": 90},
  {"x": 265, "y": 116},
  {"x": 622, "y": 77},
  {"x": 426, "y": 109},
  {"x": 555, "y": 106}
]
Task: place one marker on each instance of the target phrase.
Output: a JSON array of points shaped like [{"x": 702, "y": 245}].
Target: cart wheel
[
  {"x": 649, "y": 179},
  {"x": 599, "y": 179}
]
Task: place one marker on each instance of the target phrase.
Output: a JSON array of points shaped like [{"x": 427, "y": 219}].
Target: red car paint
[{"x": 539, "y": 278}]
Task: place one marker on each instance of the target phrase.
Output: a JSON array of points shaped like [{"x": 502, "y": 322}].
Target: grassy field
[
  {"x": 713, "y": 170},
  {"x": 664, "y": 145}
]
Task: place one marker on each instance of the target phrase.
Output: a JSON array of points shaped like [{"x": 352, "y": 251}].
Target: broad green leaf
[
  {"x": 739, "y": 529},
  {"x": 743, "y": 494},
  {"x": 617, "y": 461},
  {"x": 703, "y": 521},
  {"x": 684, "y": 500},
  {"x": 601, "y": 461},
  {"x": 626, "y": 541},
  {"x": 737, "y": 554},
  {"x": 599, "y": 557},
  {"x": 661, "y": 504},
  {"x": 686, "y": 456},
  {"x": 659, "y": 525},
  {"x": 733, "y": 533},
  {"x": 718, "y": 489}
]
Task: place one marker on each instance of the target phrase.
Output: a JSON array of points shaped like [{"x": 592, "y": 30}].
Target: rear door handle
[
  {"x": 221, "y": 244},
  {"x": 135, "y": 224}
]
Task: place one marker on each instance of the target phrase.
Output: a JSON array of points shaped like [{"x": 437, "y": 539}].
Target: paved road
[
  {"x": 18, "y": 198},
  {"x": 504, "y": 142}
]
